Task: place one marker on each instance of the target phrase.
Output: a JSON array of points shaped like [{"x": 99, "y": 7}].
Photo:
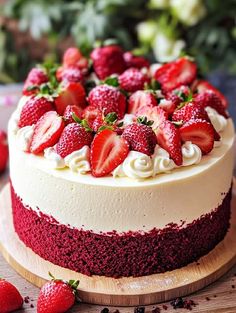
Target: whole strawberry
[
  {"x": 108, "y": 99},
  {"x": 70, "y": 111},
  {"x": 135, "y": 61},
  {"x": 70, "y": 74},
  {"x": 73, "y": 137},
  {"x": 71, "y": 56},
  {"x": 35, "y": 78},
  {"x": 33, "y": 109},
  {"x": 140, "y": 137},
  {"x": 191, "y": 110},
  {"x": 10, "y": 298},
  {"x": 3, "y": 151},
  {"x": 57, "y": 296},
  {"x": 108, "y": 60},
  {"x": 133, "y": 79}
]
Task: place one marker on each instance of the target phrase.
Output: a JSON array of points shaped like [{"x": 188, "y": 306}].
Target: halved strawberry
[
  {"x": 155, "y": 114},
  {"x": 177, "y": 73},
  {"x": 90, "y": 113},
  {"x": 139, "y": 99},
  {"x": 47, "y": 132},
  {"x": 199, "y": 132},
  {"x": 202, "y": 85},
  {"x": 72, "y": 93},
  {"x": 108, "y": 150},
  {"x": 168, "y": 137}
]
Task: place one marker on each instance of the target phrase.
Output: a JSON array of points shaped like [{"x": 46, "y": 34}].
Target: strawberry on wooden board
[
  {"x": 73, "y": 137},
  {"x": 133, "y": 79},
  {"x": 108, "y": 60},
  {"x": 71, "y": 93},
  {"x": 90, "y": 113},
  {"x": 47, "y": 132},
  {"x": 199, "y": 132},
  {"x": 155, "y": 114},
  {"x": 202, "y": 85},
  {"x": 135, "y": 61},
  {"x": 3, "y": 151},
  {"x": 33, "y": 109},
  {"x": 70, "y": 111},
  {"x": 140, "y": 99},
  {"x": 140, "y": 137},
  {"x": 108, "y": 150},
  {"x": 176, "y": 73},
  {"x": 57, "y": 296},
  {"x": 168, "y": 137},
  {"x": 108, "y": 99},
  {"x": 10, "y": 298},
  {"x": 210, "y": 99},
  {"x": 35, "y": 78}
]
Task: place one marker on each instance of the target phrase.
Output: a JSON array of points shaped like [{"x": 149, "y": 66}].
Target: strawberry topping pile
[{"x": 88, "y": 101}]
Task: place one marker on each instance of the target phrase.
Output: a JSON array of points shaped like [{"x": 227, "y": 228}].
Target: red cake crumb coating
[{"x": 115, "y": 255}]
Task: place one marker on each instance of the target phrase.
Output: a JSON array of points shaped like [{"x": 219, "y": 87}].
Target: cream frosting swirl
[
  {"x": 191, "y": 154},
  {"x": 218, "y": 121},
  {"x": 24, "y": 137},
  {"x": 54, "y": 160},
  {"x": 137, "y": 165},
  {"x": 162, "y": 163},
  {"x": 78, "y": 161}
]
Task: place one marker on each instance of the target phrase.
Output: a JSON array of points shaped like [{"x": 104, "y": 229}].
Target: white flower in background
[
  {"x": 165, "y": 48},
  {"x": 159, "y": 4},
  {"x": 189, "y": 12},
  {"x": 147, "y": 31}
]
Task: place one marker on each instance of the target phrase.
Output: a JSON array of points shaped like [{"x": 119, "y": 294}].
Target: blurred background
[{"x": 32, "y": 31}]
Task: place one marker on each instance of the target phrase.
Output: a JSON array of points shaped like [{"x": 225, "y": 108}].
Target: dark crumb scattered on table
[
  {"x": 26, "y": 299},
  {"x": 180, "y": 303},
  {"x": 156, "y": 310},
  {"x": 165, "y": 307},
  {"x": 208, "y": 299},
  {"x": 105, "y": 310},
  {"x": 139, "y": 309}
]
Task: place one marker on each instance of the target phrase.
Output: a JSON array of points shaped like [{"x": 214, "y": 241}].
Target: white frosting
[
  {"x": 24, "y": 137},
  {"x": 78, "y": 161},
  {"x": 54, "y": 160},
  {"x": 128, "y": 119},
  {"x": 161, "y": 161},
  {"x": 218, "y": 121},
  {"x": 191, "y": 153}
]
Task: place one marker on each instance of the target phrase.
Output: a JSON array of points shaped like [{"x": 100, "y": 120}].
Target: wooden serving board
[{"x": 124, "y": 291}]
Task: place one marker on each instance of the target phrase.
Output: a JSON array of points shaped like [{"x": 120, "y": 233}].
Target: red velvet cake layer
[{"x": 129, "y": 254}]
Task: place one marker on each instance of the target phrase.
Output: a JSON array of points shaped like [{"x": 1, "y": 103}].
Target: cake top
[{"x": 116, "y": 114}]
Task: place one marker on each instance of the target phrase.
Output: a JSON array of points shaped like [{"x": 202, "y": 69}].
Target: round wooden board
[{"x": 124, "y": 291}]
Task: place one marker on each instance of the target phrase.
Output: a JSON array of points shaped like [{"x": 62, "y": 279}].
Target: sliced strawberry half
[
  {"x": 108, "y": 150},
  {"x": 140, "y": 99},
  {"x": 168, "y": 137},
  {"x": 177, "y": 73},
  {"x": 155, "y": 114},
  {"x": 72, "y": 93},
  {"x": 47, "y": 132},
  {"x": 202, "y": 85},
  {"x": 199, "y": 132}
]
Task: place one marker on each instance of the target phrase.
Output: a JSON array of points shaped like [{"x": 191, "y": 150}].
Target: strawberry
[
  {"x": 69, "y": 74},
  {"x": 57, "y": 296},
  {"x": 135, "y": 61},
  {"x": 140, "y": 137},
  {"x": 132, "y": 80},
  {"x": 108, "y": 60},
  {"x": 191, "y": 110},
  {"x": 210, "y": 99},
  {"x": 90, "y": 113},
  {"x": 108, "y": 150},
  {"x": 177, "y": 73},
  {"x": 10, "y": 298},
  {"x": 3, "y": 152},
  {"x": 203, "y": 85},
  {"x": 199, "y": 132},
  {"x": 73, "y": 137},
  {"x": 168, "y": 137},
  {"x": 139, "y": 99},
  {"x": 108, "y": 99},
  {"x": 72, "y": 93},
  {"x": 155, "y": 114},
  {"x": 46, "y": 132},
  {"x": 71, "y": 56},
  {"x": 109, "y": 121},
  {"x": 98, "y": 122},
  {"x": 33, "y": 109},
  {"x": 169, "y": 105},
  {"x": 69, "y": 111},
  {"x": 35, "y": 78}
]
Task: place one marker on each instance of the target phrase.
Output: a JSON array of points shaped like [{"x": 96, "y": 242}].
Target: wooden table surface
[{"x": 219, "y": 297}]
